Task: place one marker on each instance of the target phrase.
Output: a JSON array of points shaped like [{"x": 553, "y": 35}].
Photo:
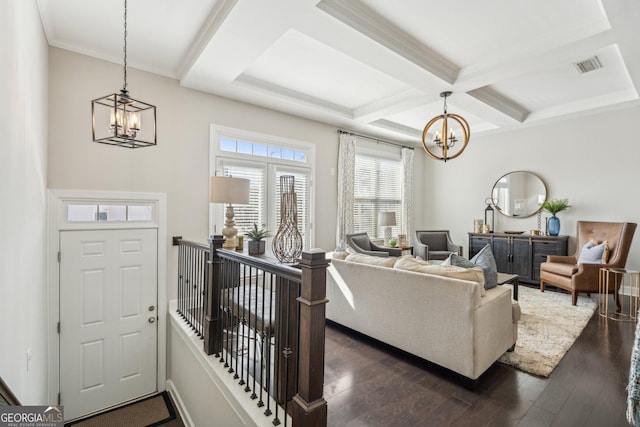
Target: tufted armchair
[
  {"x": 435, "y": 245},
  {"x": 360, "y": 242},
  {"x": 565, "y": 272}
]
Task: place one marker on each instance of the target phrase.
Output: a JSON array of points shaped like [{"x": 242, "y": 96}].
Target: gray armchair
[
  {"x": 360, "y": 242},
  {"x": 435, "y": 244}
]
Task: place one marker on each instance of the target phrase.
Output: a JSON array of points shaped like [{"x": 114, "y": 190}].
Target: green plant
[
  {"x": 393, "y": 243},
  {"x": 256, "y": 233},
  {"x": 555, "y": 205}
]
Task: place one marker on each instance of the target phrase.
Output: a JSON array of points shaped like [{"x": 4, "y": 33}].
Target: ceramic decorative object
[
  {"x": 554, "y": 226},
  {"x": 553, "y": 207},
  {"x": 256, "y": 245},
  {"x": 287, "y": 243}
]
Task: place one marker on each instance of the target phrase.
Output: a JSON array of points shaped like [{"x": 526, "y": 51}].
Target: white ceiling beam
[
  {"x": 360, "y": 17},
  {"x": 214, "y": 21}
]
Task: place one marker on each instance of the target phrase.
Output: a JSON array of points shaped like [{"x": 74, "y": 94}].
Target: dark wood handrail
[
  {"x": 299, "y": 333},
  {"x": 262, "y": 262}
]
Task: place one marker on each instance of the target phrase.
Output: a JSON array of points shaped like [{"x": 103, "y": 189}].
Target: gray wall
[
  {"x": 23, "y": 174},
  {"x": 592, "y": 161}
]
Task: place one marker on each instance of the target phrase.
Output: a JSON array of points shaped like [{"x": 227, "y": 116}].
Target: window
[
  {"x": 81, "y": 212},
  {"x": 264, "y": 150},
  {"x": 263, "y": 160},
  {"x": 377, "y": 188}
]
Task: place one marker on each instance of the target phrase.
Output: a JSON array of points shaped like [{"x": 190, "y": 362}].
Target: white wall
[
  {"x": 179, "y": 164},
  {"x": 23, "y": 173},
  {"x": 592, "y": 161}
]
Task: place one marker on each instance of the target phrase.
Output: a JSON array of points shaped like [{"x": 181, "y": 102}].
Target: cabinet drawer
[{"x": 546, "y": 248}]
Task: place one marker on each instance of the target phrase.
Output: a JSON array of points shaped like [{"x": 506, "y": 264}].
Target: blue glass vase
[{"x": 554, "y": 226}]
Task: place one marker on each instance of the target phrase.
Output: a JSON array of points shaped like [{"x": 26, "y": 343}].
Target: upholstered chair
[
  {"x": 568, "y": 273},
  {"x": 360, "y": 242},
  {"x": 435, "y": 244}
]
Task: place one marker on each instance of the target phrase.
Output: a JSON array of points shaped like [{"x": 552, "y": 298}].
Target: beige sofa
[{"x": 441, "y": 319}]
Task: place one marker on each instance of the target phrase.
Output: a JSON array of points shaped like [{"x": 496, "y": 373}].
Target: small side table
[
  {"x": 512, "y": 279},
  {"x": 612, "y": 280},
  {"x": 406, "y": 249}
]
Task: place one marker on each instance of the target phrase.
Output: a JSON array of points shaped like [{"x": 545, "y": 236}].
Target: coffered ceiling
[{"x": 376, "y": 66}]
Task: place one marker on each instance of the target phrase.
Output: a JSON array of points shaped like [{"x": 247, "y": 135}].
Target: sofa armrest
[{"x": 562, "y": 259}]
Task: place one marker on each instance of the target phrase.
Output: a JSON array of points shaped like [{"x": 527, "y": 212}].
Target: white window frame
[{"x": 217, "y": 132}]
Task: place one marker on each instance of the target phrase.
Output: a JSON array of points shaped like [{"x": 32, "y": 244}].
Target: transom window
[
  {"x": 84, "y": 212},
  {"x": 271, "y": 150}
]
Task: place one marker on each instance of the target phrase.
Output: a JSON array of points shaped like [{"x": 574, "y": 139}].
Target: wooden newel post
[
  {"x": 309, "y": 408},
  {"x": 212, "y": 320}
]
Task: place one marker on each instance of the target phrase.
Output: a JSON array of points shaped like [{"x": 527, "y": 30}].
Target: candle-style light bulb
[{"x": 134, "y": 121}]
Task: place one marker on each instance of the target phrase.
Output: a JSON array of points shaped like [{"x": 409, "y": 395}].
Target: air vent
[{"x": 587, "y": 65}]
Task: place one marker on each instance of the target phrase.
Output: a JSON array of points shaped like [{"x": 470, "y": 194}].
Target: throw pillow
[
  {"x": 371, "y": 260},
  {"x": 483, "y": 259},
  {"x": 474, "y": 274},
  {"x": 594, "y": 254}
]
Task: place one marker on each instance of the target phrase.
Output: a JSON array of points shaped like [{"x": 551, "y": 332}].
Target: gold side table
[{"x": 612, "y": 280}]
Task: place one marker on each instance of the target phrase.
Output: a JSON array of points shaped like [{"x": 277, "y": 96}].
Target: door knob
[{"x": 152, "y": 319}]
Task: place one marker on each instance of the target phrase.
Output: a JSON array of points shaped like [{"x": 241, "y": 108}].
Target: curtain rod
[{"x": 397, "y": 144}]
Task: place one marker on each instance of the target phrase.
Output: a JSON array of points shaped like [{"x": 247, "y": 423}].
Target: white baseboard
[{"x": 180, "y": 407}]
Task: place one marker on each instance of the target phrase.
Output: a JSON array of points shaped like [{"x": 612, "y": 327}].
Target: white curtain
[
  {"x": 346, "y": 195},
  {"x": 407, "y": 193}
]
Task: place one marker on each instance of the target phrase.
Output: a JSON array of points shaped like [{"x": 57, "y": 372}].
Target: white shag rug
[{"x": 547, "y": 329}]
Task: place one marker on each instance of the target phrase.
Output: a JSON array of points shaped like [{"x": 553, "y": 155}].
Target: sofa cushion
[
  {"x": 483, "y": 259},
  {"x": 340, "y": 254},
  {"x": 371, "y": 260},
  {"x": 593, "y": 253},
  {"x": 559, "y": 268},
  {"x": 420, "y": 266}
]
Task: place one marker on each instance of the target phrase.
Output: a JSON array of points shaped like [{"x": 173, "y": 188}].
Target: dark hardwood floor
[{"x": 368, "y": 384}]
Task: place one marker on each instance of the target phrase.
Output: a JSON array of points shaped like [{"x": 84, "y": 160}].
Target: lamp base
[
  {"x": 229, "y": 231},
  {"x": 387, "y": 236}
]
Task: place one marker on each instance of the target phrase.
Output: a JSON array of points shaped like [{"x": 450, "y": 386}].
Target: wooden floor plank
[{"x": 370, "y": 384}]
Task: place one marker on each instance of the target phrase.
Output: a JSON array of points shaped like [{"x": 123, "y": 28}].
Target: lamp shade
[
  {"x": 386, "y": 219},
  {"x": 226, "y": 189}
]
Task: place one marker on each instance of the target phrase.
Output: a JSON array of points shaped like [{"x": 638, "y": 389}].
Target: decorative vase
[
  {"x": 256, "y": 247},
  {"x": 287, "y": 243},
  {"x": 554, "y": 226}
]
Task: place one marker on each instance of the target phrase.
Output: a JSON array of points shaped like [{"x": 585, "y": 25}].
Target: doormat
[
  {"x": 149, "y": 412},
  {"x": 547, "y": 329}
]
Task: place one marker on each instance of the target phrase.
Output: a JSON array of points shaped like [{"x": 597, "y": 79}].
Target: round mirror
[{"x": 518, "y": 194}]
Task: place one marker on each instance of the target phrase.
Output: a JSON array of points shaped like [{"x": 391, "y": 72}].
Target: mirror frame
[{"x": 527, "y": 214}]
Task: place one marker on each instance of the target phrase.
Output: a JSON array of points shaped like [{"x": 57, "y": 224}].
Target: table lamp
[
  {"x": 229, "y": 190},
  {"x": 387, "y": 220}
]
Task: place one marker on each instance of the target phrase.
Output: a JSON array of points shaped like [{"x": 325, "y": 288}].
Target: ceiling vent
[{"x": 587, "y": 65}]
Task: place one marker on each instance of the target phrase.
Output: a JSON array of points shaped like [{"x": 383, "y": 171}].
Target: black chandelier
[
  {"x": 446, "y": 140},
  {"x": 117, "y": 118}
]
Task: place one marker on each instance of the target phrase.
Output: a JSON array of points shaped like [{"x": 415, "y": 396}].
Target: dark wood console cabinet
[{"x": 519, "y": 254}]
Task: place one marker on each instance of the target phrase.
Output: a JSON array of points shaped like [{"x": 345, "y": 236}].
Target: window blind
[{"x": 377, "y": 188}]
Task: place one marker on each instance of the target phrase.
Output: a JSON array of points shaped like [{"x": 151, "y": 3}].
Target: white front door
[{"x": 108, "y": 313}]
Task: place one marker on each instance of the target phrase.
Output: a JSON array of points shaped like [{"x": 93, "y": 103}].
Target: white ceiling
[{"x": 375, "y": 66}]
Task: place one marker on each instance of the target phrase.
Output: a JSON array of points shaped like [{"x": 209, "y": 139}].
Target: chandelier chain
[{"x": 125, "y": 46}]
